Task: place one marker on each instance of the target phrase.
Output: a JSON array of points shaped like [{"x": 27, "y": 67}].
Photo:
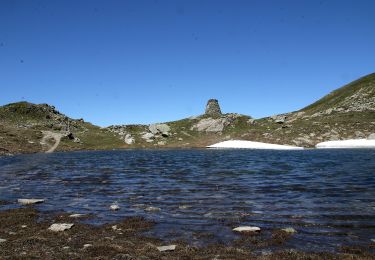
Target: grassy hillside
[
  {"x": 357, "y": 95},
  {"x": 346, "y": 113},
  {"x": 22, "y": 123}
]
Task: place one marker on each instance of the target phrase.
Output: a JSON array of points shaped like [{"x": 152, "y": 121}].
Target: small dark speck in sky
[
  {"x": 2, "y": 44},
  {"x": 22, "y": 61}
]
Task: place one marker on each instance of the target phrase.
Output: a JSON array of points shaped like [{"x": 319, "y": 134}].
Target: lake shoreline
[{"x": 25, "y": 234}]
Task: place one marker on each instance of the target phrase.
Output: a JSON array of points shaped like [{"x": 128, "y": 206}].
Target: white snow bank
[
  {"x": 351, "y": 143},
  {"x": 252, "y": 145}
]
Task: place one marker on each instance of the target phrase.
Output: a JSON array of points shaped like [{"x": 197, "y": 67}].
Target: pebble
[
  {"x": 66, "y": 247},
  {"x": 12, "y": 233},
  {"x": 30, "y": 201},
  {"x": 87, "y": 245},
  {"x": 114, "y": 207},
  {"x": 166, "y": 248},
  {"x": 289, "y": 230},
  {"x": 116, "y": 228},
  {"x": 24, "y": 226},
  {"x": 76, "y": 215},
  {"x": 247, "y": 229},
  {"x": 60, "y": 227},
  {"x": 152, "y": 209},
  {"x": 2, "y": 240}
]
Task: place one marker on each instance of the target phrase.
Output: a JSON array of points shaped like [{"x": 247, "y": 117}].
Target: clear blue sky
[{"x": 114, "y": 62}]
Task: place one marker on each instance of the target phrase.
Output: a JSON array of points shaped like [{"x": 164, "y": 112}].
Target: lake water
[{"x": 328, "y": 196}]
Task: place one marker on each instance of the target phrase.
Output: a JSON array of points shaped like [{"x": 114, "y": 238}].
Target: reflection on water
[{"x": 327, "y": 196}]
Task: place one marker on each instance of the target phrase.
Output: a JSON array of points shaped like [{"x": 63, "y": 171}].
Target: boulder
[
  {"x": 148, "y": 137},
  {"x": 279, "y": 119},
  {"x": 57, "y": 227},
  {"x": 371, "y": 137},
  {"x": 210, "y": 125},
  {"x": 213, "y": 108},
  {"x": 162, "y": 129},
  {"x": 166, "y": 248}
]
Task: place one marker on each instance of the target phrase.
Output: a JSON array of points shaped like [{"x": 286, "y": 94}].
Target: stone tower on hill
[{"x": 213, "y": 108}]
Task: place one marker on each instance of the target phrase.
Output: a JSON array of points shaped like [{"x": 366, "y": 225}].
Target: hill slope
[
  {"x": 357, "y": 96},
  {"x": 346, "y": 113}
]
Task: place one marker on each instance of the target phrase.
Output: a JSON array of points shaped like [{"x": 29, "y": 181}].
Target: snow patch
[
  {"x": 350, "y": 143},
  {"x": 240, "y": 144}
]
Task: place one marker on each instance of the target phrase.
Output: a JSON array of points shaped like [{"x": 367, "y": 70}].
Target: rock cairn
[{"x": 213, "y": 108}]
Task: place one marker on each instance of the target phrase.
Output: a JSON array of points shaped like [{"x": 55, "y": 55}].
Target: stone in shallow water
[
  {"x": 76, "y": 215},
  {"x": 115, "y": 228},
  {"x": 30, "y": 201},
  {"x": 152, "y": 209},
  {"x": 57, "y": 227},
  {"x": 114, "y": 207},
  {"x": 184, "y": 207},
  {"x": 289, "y": 230},
  {"x": 247, "y": 229},
  {"x": 166, "y": 248}
]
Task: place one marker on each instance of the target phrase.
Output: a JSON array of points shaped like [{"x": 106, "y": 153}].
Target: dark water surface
[{"x": 328, "y": 196}]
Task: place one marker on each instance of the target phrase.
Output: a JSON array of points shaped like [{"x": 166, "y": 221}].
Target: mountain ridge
[{"x": 347, "y": 112}]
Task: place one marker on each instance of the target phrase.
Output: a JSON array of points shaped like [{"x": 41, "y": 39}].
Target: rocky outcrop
[
  {"x": 279, "y": 119},
  {"x": 213, "y": 108},
  {"x": 210, "y": 125},
  {"x": 129, "y": 139},
  {"x": 159, "y": 129}
]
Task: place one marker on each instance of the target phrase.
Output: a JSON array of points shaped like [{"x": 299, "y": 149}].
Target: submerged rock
[
  {"x": 152, "y": 209},
  {"x": 57, "y": 227},
  {"x": 30, "y": 201},
  {"x": 247, "y": 229},
  {"x": 289, "y": 230},
  {"x": 76, "y": 215},
  {"x": 166, "y": 248}
]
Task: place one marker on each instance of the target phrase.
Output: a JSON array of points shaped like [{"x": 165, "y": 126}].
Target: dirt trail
[{"x": 48, "y": 135}]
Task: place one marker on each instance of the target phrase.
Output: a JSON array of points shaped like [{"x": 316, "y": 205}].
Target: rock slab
[
  {"x": 247, "y": 229},
  {"x": 58, "y": 227},
  {"x": 166, "y": 248},
  {"x": 30, "y": 201}
]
